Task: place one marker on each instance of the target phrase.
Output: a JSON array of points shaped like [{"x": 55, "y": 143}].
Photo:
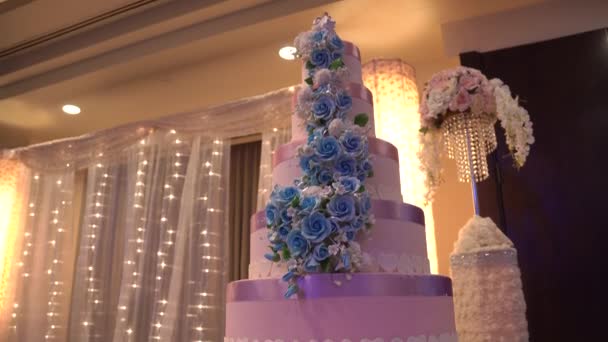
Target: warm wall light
[
  {"x": 10, "y": 215},
  {"x": 393, "y": 85},
  {"x": 71, "y": 109},
  {"x": 287, "y": 52}
]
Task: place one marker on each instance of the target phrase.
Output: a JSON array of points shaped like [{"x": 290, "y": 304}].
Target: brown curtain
[{"x": 244, "y": 175}]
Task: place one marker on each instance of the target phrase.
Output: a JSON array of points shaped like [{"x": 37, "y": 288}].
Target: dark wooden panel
[{"x": 554, "y": 207}]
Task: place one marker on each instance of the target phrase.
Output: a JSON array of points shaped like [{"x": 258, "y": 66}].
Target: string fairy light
[
  {"x": 57, "y": 225},
  {"x": 175, "y": 166},
  {"x": 96, "y": 222},
  {"x": 136, "y": 244}
]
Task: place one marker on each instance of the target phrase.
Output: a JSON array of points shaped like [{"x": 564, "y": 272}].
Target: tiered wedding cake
[{"x": 351, "y": 255}]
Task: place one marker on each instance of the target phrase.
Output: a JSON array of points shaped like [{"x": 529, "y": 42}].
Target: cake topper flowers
[
  {"x": 458, "y": 110},
  {"x": 313, "y": 224}
]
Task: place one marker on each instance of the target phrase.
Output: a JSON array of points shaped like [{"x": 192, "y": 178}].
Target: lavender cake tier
[
  {"x": 396, "y": 243},
  {"x": 385, "y": 183},
  {"x": 352, "y": 61},
  {"x": 339, "y": 307},
  {"x": 362, "y": 103}
]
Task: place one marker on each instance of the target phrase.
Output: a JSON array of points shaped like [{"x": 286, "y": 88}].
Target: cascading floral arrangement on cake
[
  {"x": 313, "y": 224},
  {"x": 336, "y": 255}
]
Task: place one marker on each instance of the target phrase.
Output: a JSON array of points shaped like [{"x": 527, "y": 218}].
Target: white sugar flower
[
  {"x": 337, "y": 127},
  {"x": 334, "y": 249}
]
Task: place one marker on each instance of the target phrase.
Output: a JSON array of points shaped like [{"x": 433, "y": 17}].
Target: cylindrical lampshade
[
  {"x": 11, "y": 197},
  {"x": 393, "y": 85}
]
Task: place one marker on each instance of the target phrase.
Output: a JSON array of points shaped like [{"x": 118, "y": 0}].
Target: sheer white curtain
[
  {"x": 149, "y": 261},
  {"x": 44, "y": 266},
  {"x": 125, "y": 233}
]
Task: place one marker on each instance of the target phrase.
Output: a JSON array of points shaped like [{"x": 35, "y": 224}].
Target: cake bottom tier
[{"x": 371, "y": 307}]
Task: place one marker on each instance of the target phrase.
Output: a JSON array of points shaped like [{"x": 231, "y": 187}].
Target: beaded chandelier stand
[{"x": 469, "y": 138}]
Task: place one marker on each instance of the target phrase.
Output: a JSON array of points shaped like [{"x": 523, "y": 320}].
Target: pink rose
[
  {"x": 469, "y": 82},
  {"x": 461, "y": 102}
]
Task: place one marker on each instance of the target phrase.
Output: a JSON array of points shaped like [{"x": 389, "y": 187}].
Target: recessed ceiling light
[
  {"x": 288, "y": 53},
  {"x": 71, "y": 109}
]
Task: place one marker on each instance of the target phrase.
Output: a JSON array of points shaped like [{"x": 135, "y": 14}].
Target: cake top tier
[{"x": 322, "y": 48}]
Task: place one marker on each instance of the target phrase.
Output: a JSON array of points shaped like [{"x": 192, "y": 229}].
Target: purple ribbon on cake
[
  {"x": 327, "y": 285},
  {"x": 377, "y": 147},
  {"x": 382, "y": 209}
]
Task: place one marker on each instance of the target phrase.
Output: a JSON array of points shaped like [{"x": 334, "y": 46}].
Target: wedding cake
[{"x": 337, "y": 255}]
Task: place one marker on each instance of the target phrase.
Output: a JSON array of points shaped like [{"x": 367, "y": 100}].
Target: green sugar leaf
[
  {"x": 336, "y": 64},
  {"x": 286, "y": 253},
  {"x": 361, "y": 119}
]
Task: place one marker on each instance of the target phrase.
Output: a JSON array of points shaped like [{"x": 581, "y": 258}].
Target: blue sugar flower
[
  {"x": 362, "y": 175},
  {"x": 320, "y": 58},
  {"x": 348, "y": 184},
  {"x": 346, "y": 261},
  {"x": 272, "y": 214},
  {"x": 325, "y": 177},
  {"x": 296, "y": 243},
  {"x": 284, "y": 231},
  {"x": 291, "y": 290},
  {"x": 335, "y": 226},
  {"x": 328, "y": 148},
  {"x": 285, "y": 216},
  {"x": 353, "y": 143},
  {"x": 344, "y": 101},
  {"x": 335, "y": 42},
  {"x": 323, "y": 107},
  {"x": 357, "y": 223},
  {"x": 318, "y": 36},
  {"x": 287, "y": 194},
  {"x": 335, "y": 55},
  {"x": 350, "y": 235},
  {"x": 345, "y": 165},
  {"x": 311, "y": 265},
  {"x": 365, "y": 204},
  {"x": 308, "y": 203},
  {"x": 342, "y": 207},
  {"x": 315, "y": 227},
  {"x": 307, "y": 163},
  {"x": 288, "y": 276},
  {"x": 321, "y": 252},
  {"x": 367, "y": 166}
]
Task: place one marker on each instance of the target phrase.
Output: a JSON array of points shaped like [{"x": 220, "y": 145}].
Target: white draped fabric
[{"x": 124, "y": 238}]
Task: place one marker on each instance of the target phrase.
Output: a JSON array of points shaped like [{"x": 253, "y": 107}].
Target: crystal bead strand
[{"x": 480, "y": 128}]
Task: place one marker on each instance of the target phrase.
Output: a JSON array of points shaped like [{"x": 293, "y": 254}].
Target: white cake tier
[
  {"x": 395, "y": 244},
  {"x": 352, "y": 61},
  {"x": 362, "y": 103},
  {"x": 384, "y": 184}
]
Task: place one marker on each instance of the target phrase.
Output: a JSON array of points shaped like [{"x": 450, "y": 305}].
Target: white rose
[{"x": 336, "y": 127}]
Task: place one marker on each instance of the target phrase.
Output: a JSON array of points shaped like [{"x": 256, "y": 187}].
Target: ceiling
[{"x": 155, "y": 58}]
